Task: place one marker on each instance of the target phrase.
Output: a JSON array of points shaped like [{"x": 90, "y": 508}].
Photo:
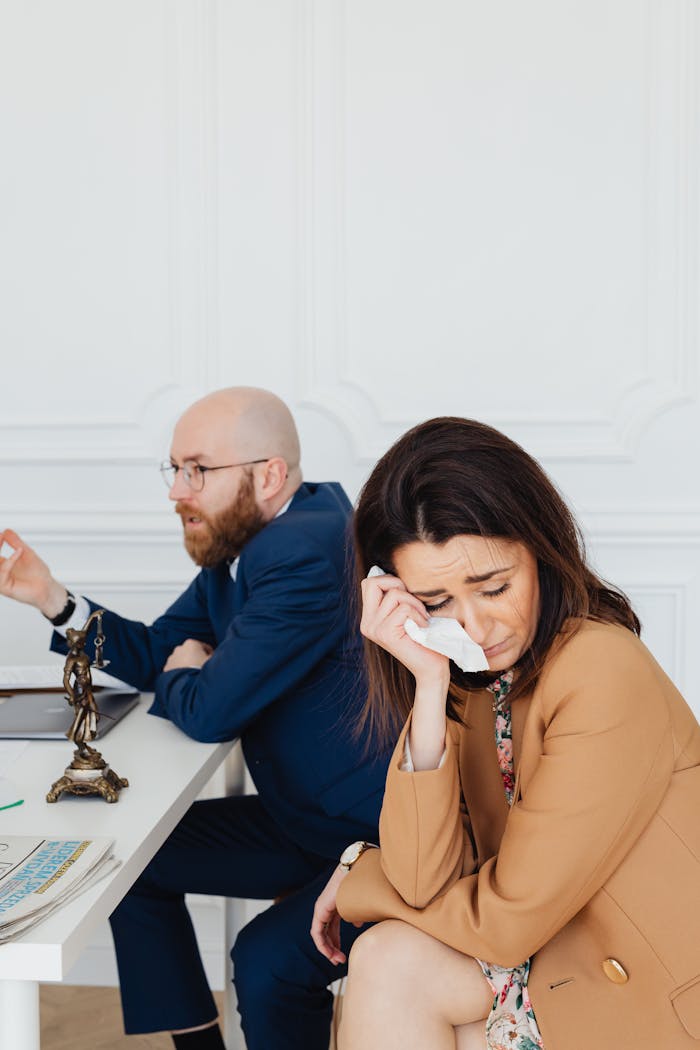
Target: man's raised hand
[{"x": 26, "y": 578}]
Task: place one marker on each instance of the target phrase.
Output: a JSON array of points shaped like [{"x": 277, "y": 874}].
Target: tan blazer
[{"x": 595, "y": 871}]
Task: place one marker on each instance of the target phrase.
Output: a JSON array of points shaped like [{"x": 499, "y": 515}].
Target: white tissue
[{"x": 446, "y": 636}]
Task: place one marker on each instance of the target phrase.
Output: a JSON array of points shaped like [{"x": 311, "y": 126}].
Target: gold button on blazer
[{"x": 594, "y": 871}]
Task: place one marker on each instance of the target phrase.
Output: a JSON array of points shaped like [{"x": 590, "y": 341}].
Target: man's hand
[
  {"x": 26, "y": 578},
  {"x": 325, "y": 926},
  {"x": 190, "y": 654}
]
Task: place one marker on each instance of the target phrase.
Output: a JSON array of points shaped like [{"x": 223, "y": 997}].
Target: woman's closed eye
[
  {"x": 440, "y": 605},
  {"x": 499, "y": 590},
  {"x": 496, "y": 593}
]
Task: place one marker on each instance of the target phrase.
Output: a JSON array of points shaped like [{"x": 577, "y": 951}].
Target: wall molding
[
  {"x": 644, "y": 524},
  {"x": 668, "y": 356},
  {"x": 103, "y": 525},
  {"x": 87, "y": 435},
  {"x": 110, "y": 523}
]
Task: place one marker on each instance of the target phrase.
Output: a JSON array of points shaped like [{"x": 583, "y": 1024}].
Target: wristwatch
[
  {"x": 65, "y": 613},
  {"x": 353, "y": 852}
]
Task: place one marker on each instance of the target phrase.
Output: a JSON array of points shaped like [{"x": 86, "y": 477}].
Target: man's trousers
[{"x": 229, "y": 847}]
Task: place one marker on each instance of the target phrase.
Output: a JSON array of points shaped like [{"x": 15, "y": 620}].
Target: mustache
[{"x": 186, "y": 512}]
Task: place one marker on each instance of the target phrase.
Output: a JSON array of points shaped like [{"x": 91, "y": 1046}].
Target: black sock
[{"x": 204, "y": 1039}]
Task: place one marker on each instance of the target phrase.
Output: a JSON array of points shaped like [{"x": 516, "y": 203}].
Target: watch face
[{"x": 351, "y": 853}]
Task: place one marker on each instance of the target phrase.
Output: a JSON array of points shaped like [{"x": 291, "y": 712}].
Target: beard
[{"x": 223, "y": 536}]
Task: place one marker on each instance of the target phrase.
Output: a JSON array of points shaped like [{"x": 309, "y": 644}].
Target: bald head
[
  {"x": 256, "y": 423},
  {"x": 241, "y": 424}
]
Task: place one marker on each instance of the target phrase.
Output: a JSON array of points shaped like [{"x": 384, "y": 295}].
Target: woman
[{"x": 540, "y": 838}]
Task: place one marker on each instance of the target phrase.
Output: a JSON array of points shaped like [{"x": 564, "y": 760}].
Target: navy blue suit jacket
[{"x": 286, "y": 673}]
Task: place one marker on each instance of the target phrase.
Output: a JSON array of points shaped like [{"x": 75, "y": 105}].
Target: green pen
[
  {"x": 11, "y": 805},
  {"x": 9, "y": 794}
]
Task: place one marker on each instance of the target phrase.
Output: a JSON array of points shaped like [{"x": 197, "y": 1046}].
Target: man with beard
[{"x": 261, "y": 645}]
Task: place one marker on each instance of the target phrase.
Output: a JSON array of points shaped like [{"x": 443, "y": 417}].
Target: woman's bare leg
[
  {"x": 471, "y": 1036},
  {"x": 407, "y": 991}
]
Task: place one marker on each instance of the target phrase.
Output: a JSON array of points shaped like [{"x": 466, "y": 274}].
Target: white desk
[{"x": 166, "y": 771}]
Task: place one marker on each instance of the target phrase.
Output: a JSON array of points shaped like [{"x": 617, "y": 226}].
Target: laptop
[{"x": 45, "y": 714}]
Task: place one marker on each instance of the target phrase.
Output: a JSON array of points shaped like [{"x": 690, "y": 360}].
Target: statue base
[{"x": 88, "y": 774}]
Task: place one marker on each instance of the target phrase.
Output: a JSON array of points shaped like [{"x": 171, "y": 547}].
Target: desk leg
[
  {"x": 19, "y": 1015},
  {"x": 234, "y": 771},
  {"x": 233, "y": 1036}
]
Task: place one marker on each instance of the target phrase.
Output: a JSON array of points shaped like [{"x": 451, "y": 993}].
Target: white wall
[{"x": 383, "y": 211}]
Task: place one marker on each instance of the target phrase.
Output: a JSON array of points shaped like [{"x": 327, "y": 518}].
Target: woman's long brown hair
[{"x": 451, "y": 477}]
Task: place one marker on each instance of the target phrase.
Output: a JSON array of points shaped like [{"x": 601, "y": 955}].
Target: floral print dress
[{"x": 511, "y": 1025}]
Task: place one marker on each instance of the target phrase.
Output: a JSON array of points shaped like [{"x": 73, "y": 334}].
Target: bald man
[{"x": 262, "y": 645}]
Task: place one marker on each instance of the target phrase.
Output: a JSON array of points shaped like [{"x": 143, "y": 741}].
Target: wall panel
[{"x": 382, "y": 211}]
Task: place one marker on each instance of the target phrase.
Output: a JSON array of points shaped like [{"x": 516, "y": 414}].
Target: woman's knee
[
  {"x": 385, "y": 952},
  {"x": 396, "y": 960}
]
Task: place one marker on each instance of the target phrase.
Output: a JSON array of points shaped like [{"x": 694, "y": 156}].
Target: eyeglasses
[{"x": 193, "y": 473}]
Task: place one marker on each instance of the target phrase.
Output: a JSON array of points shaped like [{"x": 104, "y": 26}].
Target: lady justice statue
[{"x": 88, "y": 773}]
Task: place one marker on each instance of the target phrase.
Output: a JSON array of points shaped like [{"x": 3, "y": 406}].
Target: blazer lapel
[
  {"x": 525, "y": 749},
  {"x": 482, "y": 784}
]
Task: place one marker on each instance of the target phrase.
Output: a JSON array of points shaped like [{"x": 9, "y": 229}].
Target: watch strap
[{"x": 65, "y": 613}]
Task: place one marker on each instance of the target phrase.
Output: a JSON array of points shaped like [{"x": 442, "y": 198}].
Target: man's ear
[{"x": 271, "y": 478}]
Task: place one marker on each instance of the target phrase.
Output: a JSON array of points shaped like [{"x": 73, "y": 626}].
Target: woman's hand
[
  {"x": 386, "y": 605},
  {"x": 325, "y": 926}
]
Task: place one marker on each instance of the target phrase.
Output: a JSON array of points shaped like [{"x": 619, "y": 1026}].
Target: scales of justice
[{"x": 88, "y": 773}]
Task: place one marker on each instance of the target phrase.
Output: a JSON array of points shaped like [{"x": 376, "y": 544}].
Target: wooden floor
[{"x": 82, "y": 1018}]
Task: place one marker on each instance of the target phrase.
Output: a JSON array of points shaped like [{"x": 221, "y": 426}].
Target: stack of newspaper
[{"x": 39, "y": 875}]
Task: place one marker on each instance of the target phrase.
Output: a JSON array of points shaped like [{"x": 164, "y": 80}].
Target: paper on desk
[
  {"x": 446, "y": 636},
  {"x": 103, "y": 867},
  {"x": 49, "y": 676},
  {"x": 39, "y": 875}
]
